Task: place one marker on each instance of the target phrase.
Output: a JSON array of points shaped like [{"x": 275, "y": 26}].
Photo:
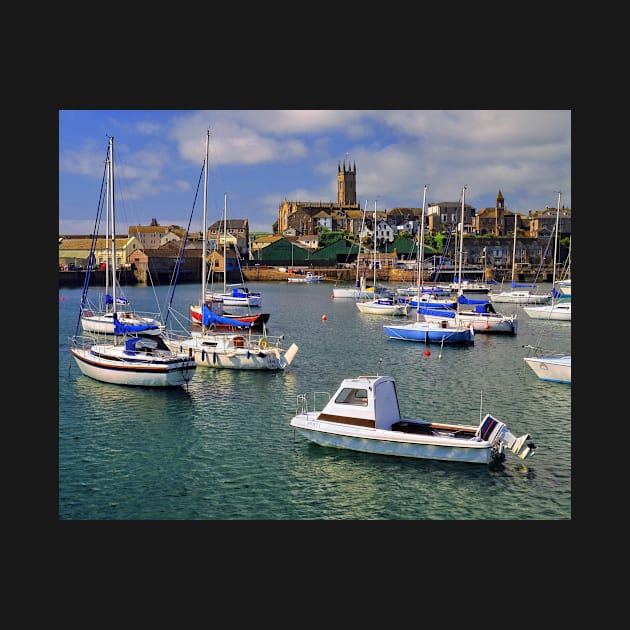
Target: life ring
[
  {"x": 263, "y": 344},
  {"x": 89, "y": 313}
]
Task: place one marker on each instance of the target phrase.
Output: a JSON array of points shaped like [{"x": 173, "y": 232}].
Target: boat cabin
[{"x": 366, "y": 401}]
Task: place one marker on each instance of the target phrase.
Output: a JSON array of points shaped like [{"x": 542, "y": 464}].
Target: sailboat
[
  {"x": 360, "y": 290},
  {"x": 516, "y": 295},
  {"x": 143, "y": 359},
  {"x": 384, "y": 305},
  {"x": 482, "y": 316},
  {"x": 559, "y": 310},
  {"x": 443, "y": 331},
  {"x": 98, "y": 316},
  {"x": 239, "y": 295},
  {"x": 215, "y": 301},
  {"x": 238, "y": 349}
]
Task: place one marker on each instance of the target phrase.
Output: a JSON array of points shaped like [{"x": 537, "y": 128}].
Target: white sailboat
[
  {"x": 239, "y": 295},
  {"x": 384, "y": 305},
  {"x": 558, "y": 310},
  {"x": 360, "y": 290},
  {"x": 98, "y": 317},
  {"x": 480, "y": 314},
  {"x": 237, "y": 350},
  {"x": 142, "y": 360},
  {"x": 516, "y": 295}
]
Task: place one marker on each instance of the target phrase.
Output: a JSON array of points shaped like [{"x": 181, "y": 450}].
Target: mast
[
  {"x": 360, "y": 285},
  {"x": 113, "y": 220},
  {"x": 204, "y": 232},
  {"x": 461, "y": 244},
  {"x": 374, "y": 261},
  {"x": 421, "y": 253},
  {"x": 514, "y": 254},
  {"x": 107, "y": 229},
  {"x": 225, "y": 243},
  {"x": 555, "y": 248}
]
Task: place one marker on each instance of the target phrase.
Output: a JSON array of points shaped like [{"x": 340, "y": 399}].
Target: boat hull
[
  {"x": 519, "y": 297},
  {"x": 364, "y": 415},
  {"x": 552, "y": 369},
  {"x": 228, "y": 351},
  {"x": 257, "y": 320},
  {"x": 482, "y": 323},
  {"x": 431, "y": 332},
  {"x": 380, "y": 442},
  {"x": 561, "y": 311},
  {"x": 377, "y": 308},
  {"x": 93, "y": 362}
]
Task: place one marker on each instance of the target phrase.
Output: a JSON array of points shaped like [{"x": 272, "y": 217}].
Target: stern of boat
[{"x": 495, "y": 432}]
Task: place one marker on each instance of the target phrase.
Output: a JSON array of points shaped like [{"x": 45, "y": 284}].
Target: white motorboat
[
  {"x": 364, "y": 415},
  {"x": 556, "y": 369},
  {"x": 307, "y": 278}
]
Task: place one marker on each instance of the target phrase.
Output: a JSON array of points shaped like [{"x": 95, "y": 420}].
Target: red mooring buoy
[
  {"x": 427, "y": 353},
  {"x": 324, "y": 318}
]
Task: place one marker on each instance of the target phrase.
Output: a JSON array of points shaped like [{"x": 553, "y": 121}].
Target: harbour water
[{"x": 223, "y": 449}]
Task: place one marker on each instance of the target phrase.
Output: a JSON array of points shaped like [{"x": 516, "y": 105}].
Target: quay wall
[{"x": 128, "y": 278}]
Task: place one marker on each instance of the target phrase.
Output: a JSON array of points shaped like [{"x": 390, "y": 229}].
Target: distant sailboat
[
  {"x": 557, "y": 310},
  {"x": 239, "y": 295},
  {"x": 444, "y": 331},
  {"x": 516, "y": 295},
  {"x": 384, "y": 305}
]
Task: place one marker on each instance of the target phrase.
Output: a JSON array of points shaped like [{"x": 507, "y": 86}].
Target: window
[{"x": 352, "y": 396}]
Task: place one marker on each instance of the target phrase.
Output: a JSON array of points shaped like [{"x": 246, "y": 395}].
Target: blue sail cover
[
  {"x": 209, "y": 317},
  {"x": 123, "y": 329},
  {"x": 462, "y": 299},
  {"x": 437, "y": 312},
  {"x": 119, "y": 300},
  {"x": 522, "y": 284}
]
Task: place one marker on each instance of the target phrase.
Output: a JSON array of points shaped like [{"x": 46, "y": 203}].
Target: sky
[{"x": 259, "y": 158}]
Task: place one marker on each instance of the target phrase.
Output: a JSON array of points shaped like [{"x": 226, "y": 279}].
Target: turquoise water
[{"x": 224, "y": 450}]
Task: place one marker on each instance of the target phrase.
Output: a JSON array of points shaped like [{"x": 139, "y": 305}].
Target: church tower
[
  {"x": 346, "y": 185},
  {"x": 499, "y": 216}
]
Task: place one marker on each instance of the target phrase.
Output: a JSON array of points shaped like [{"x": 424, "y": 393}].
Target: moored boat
[
  {"x": 555, "y": 369},
  {"x": 364, "y": 415}
]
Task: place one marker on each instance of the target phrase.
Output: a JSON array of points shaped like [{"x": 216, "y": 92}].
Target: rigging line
[
  {"x": 178, "y": 262},
  {"x": 97, "y": 222}
]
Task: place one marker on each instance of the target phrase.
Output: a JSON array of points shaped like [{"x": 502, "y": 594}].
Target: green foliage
[{"x": 326, "y": 237}]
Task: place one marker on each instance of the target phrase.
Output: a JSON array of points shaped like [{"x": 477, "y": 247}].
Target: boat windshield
[{"x": 352, "y": 396}]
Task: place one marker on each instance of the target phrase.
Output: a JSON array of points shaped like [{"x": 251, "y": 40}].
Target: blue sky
[{"x": 261, "y": 157}]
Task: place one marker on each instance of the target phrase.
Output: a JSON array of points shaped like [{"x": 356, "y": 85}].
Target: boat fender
[
  {"x": 214, "y": 358},
  {"x": 263, "y": 344},
  {"x": 203, "y": 355},
  {"x": 89, "y": 313}
]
